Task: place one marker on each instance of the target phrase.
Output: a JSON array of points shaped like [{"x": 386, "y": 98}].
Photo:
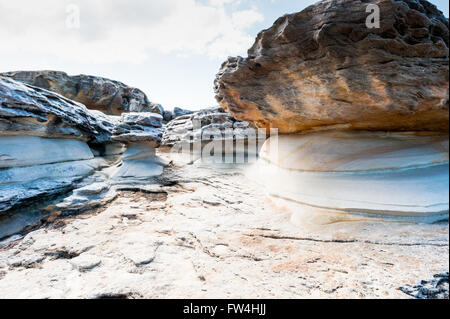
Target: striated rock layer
[
  {"x": 30, "y": 111},
  {"x": 97, "y": 93},
  {"x": 388, "y": 174},
  {"x": 324, "y": 67},
  {"x": 139, "y": 127},
  {"x": 212, "y": 132},
  {"x": 208, "y": 232},
  {"x": 34, "y": 168},
  {"x": 43, "y": 143},
  {"x": 142, "y": 133}
]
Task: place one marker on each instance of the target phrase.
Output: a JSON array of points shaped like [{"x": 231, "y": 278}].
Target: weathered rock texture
[
  {"x": 44, "y": 148},
  {"x": 182, "y": 127},
  {"x": 31, "y": 111},
  {"x": 43, "y": 143},
  {"x": 202, "y": 124},
  {"x": 142, "y": 133},
  {"x": 210, "y": 233},
  {"x": 332, "y": 173},
  {"x": 139, "y": 127},
  {"x": 323, "y": 67},
  {"x": 97, "y": 93},
  {"x": 35, "y": 168},
  {"x": 177, "y": 112},
  {"x": 436, "y": 288},
  {"x": 213, "y": 133}
]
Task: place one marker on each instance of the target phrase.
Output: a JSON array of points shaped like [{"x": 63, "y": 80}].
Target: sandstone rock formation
[
  {"x": 324, "y": 67},
  {"x": 31, "y": 111},
  {"x": 182, "y": 126},
  {"x": 139, "y": 127},
  {"x": 211, "y": 233},
  {"x": 50, "y": 145},
  {"x": 142, "y": 133},
  {"x": 177, "y": 112},
  {"x": 128, "y": 160},
  {"x": 43, "y": 143},
  {"x": 167, "y": 116},
  {"x": 329, "y": 174},
  {"x": 215, "y": 129},
  {"x": 436, "y": 288},
  {"x": 96, "y": 93}
]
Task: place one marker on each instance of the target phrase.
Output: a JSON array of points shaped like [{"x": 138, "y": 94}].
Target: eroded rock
[
  {"x": 177, "y": 112},
  {"x": 31, "y": 111},
  {"x": 43, "y": 144},
  {"x": 24, "y": 185},
  {"x": 436, "y": 288},
  {"x": 324, "y": 67},
  {"x": 212, "y": 131},
  {"x": 326, "y": 175},
  {"x": 214, "y": 235},
  {"x": 142, "y": 133},
  {"x": 97, "y": 93},
  {"x": 139, "y": 127}
]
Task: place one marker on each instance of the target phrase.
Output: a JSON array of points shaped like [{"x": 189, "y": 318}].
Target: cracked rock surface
[
  {"x": 30, "y": 111},
  {"x": 97, "y": 93},
  {"x": 324, "y": 67},
  {"x": 209, "y": 232}
]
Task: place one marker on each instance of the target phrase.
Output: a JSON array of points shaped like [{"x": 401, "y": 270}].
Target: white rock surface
[
  {"x": 213, "y": 131},
  {"x": 139, "y": 127},
  {"x": 22, "y": 185},
  {"x": 95, "y": 191},
  {"x": 30, "y": 111},
  {"x": 390, "y": 174},
  {"x": 18, "y": 151},
  {"x": 85, "y": 262},
  {"x": 213, "y": 234},
  {"x": 139, "y": 163}
]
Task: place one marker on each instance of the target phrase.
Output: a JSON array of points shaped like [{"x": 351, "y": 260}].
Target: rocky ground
[{"x": 205, "y": 231}]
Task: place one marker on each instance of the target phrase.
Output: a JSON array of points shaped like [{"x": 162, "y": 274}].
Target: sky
[{"x": 170, "y": 49}]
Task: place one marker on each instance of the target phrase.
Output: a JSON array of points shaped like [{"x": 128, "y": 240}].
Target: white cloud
[
  {"x": 125, "y": 30},
  {"x": 223, "y": 2}
]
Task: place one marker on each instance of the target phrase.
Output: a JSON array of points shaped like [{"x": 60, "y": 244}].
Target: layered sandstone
[
  {"x": 142, "y": 133},
  {"x": 96, "y": 93},
  {"x": 330, "y": 174},
  {"x": 212, "y": 132},
  {"x": 30, "y": 111},
  {"x": 44, "y": 143},
  {"x": 367, "y": 109},
  {"x": 324, "y": 67}
]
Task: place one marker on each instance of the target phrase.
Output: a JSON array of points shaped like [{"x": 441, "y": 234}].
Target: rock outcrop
[
  {"x": 177, "y": 112},
  {"x": 139, "y": 127},
  {"x": 31, "y": 111},
  {"x": 209, "y": 232},
  {"x": 369, "y": 107},
  {"x": 142, "y": 133},
  {"x": 167, "y": 116},
  {"x": 436, "y": 288},
  {"x": 330, "y": 174},
  {"x": 96, "y": 93},
  {"x": 43, "y": 143},
  {"x": 324, "y": 67},
  {"x": 214, "y": 129}
]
